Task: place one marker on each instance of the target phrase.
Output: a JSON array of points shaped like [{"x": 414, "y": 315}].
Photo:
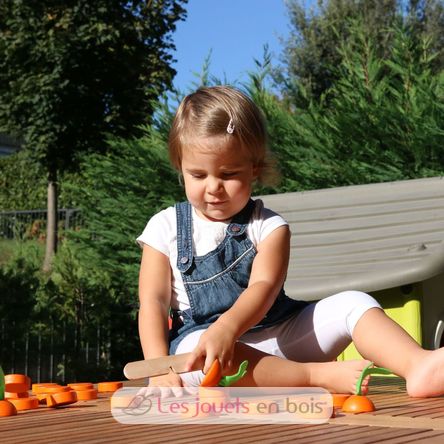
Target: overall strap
[
  {"x": 184, "y": 236},
  {"x": 240, "y": 221}
]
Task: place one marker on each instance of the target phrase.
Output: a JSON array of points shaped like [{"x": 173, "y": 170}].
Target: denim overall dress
[{"x": 213, "y": 282}]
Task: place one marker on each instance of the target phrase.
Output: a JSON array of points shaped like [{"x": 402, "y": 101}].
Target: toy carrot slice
[
  {"x": 41, "y": 387},
  {"x": 60, "y": 399},
  {"x": 213, "y": 375},
  {"x": 19, "y": 395},
  {"x": 111, "y": 386},
  {"x": 339, "y": 399},
  {"x": 55, "y": 389},
  {"x": 77, "y": 386},
  {"x": 17, "y": 383},
  {"x": 25, "y": 403},
  {"x": 7, "y": 408},
  {"x": 86, "y": 395}
]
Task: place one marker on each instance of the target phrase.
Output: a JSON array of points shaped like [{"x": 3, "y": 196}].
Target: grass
[{"x": 8, "y": 247}]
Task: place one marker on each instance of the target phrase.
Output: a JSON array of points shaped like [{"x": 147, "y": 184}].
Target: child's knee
[
  {"x": 189, "y": 342},
  {"x": 357, "y": 303}
]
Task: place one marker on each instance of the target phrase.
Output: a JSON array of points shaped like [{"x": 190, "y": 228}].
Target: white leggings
[{"x": 319, "y": 333}]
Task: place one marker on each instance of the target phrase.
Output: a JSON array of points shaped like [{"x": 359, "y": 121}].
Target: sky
[{"x": 234, "y": 30}]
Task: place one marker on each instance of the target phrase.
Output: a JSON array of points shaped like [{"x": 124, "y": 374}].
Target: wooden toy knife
[{"x": 161, "y": 366}]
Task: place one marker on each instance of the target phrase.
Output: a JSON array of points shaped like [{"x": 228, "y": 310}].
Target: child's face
[{"x": 218, "y": 177}]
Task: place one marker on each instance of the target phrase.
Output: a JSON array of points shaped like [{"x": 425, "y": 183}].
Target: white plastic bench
[{"x": 386, "y": 239}]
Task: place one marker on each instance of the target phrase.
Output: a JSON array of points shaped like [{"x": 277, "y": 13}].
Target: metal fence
[
  {"x": 51, "y": 356},
  {"x": 31, "y": 224}
]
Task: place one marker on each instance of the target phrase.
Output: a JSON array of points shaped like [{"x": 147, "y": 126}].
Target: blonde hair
[{"x": 221, "y": 111}]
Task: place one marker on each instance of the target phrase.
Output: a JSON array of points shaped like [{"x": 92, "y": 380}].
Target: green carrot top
[{"x": 370, "y": 370}]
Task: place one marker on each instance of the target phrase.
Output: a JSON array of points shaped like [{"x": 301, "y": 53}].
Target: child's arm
[
  {"x": 267, "y": 277},
  {"x": 155, "y": 297}
]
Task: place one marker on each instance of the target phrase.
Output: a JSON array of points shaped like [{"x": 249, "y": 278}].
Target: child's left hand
[{"x": 216, "y": 343}]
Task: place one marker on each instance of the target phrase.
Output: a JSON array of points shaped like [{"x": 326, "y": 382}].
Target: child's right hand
[{"x": 217, "y": 342}]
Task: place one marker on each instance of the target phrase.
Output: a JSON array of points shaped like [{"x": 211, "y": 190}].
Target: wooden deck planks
[{"x": 398, "y": 419}]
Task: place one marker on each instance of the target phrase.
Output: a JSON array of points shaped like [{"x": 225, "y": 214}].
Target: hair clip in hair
[{"x": 230, "y": 127}]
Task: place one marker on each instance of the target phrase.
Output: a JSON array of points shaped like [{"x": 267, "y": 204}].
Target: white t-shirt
[{"x": 161, "y": 233}]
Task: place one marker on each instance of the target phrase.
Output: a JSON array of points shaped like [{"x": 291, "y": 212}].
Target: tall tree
[
  {"x": 426, "y": 18},
  {"x": 318, "y": 33},
  {"x": 73, "y": 70}
]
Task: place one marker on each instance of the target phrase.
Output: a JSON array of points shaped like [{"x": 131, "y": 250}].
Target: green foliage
[
  {"x": 64, "y": 310},
  {"x": 69, "y": 71},
  {"x": 72, "y": 71},
  {"x": 22, "y": 183},
  {"x": 385, "y": 116},
  {"x": 122, "y": 190},
  {"x": 382, "y": 119},
  {"x": 311, "y": 51},
  {"x": 81, "y": 290},
  {"x": 294, "y": 142},
  {"x": 93, "y": 282},
  {"x": 18, "y": 284}
]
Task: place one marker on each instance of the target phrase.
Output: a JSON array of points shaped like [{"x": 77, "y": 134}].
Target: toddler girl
[{"x": 219, "y": 261}]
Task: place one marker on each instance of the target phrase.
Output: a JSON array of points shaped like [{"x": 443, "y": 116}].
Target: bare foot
[
  {"x": 426, "y": 377},
  {"x": 340, "y": 376}
]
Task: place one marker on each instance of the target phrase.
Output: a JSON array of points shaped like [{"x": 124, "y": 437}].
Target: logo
[
  {"x": 139, "y": 405},
  {"x": 218, "y": 405}
]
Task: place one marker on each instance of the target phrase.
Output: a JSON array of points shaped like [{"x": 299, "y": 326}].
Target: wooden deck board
[
  {"x": 429, "y": 437},
  {"x": 398, "y": 419}
]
